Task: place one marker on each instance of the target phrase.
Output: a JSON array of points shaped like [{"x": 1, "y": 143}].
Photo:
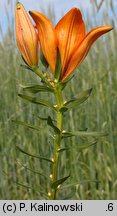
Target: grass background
[{"x": 98, "y": 113}]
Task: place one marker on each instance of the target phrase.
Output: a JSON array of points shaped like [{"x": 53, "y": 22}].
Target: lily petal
[
  {"x": 81, "y": 51},
  {"x": 26, "y": 36},
  {"x": 70, "y": 32},
  {"x": 47, "y": 38}
]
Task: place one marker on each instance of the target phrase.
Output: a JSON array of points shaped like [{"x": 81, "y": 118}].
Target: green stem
[
  {"x": 58, "y": 137},
  {"x": 43, "y": 77},
  {"x": 59, "y": 99}
]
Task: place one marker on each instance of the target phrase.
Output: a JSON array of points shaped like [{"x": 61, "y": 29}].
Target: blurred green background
[{"x": 98, "y": 113}]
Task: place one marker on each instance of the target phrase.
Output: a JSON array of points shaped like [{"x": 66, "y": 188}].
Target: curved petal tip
[{"x": 82, "y": 50}]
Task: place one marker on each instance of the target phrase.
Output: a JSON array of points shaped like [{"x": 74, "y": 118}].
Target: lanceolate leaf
[
  {"x": 84, "y": 134},
  {"x": 84, "y": 146},
  {"x": 63, "y": 149},
  {"x": 29, "y": 187},
  {"x": 63, "y": 109},
  {"x": 76, "y": 101},
  {"x": 36, "y": 88},
  {"x": 33, "y": 171},
  {"x": 55, "y": 184},
  {"x": 26, "y": 125},
  {"x": 79, "y": 147},
  {"x": 27, "y": 67},
  {"x": 37, "y": 101},
  {"x": 42, "y": 118},
  {"x": 50, "y": 123},
  {"x": 34, "y": 156},
  {"x": 64, "y": 84}
]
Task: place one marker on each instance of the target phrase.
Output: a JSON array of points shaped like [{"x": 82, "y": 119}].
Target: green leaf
[
  {"x": 84, "y": 146},
  {"x": 66, "y": 134},
  {"x": 79, "y": 147},
  {"x": 42, "y": 118},
  {"x": 36, "y": 172},
  {"x": 64, "y": 83},
  {"x": 64, "y": 149},
  {"x": 58, "y": 67},
  {"x": 29, "y": 187},
  {"x": 45, "y": 119},
  {"x": 36, "y": 88},
  {"x": 37, "y": 101},
  {"x": 63, "y": 109},
  {"x": 50, "y": 123},
  {"x": 34, "y": 156},
  {"x": 27, "y": 67},
  {"x": 55, "y": 184},
  {"x": 83, "y": 134},
  {"x": 26, "y": 125},
  {"x": 76, "y": 101}
]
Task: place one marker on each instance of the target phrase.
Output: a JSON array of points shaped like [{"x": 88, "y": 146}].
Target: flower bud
[{"x": 26, "y": 36}]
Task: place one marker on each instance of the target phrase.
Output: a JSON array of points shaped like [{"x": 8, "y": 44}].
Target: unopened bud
[{"x": 26, "y": 36}]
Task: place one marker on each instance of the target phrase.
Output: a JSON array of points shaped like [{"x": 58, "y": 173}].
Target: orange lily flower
[
  {"x": 26, "y": 36},
  {"x": 69, "y": 37}
]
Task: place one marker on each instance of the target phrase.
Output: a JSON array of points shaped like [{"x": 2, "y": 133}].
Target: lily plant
[{"x": 61, "y": 49}]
